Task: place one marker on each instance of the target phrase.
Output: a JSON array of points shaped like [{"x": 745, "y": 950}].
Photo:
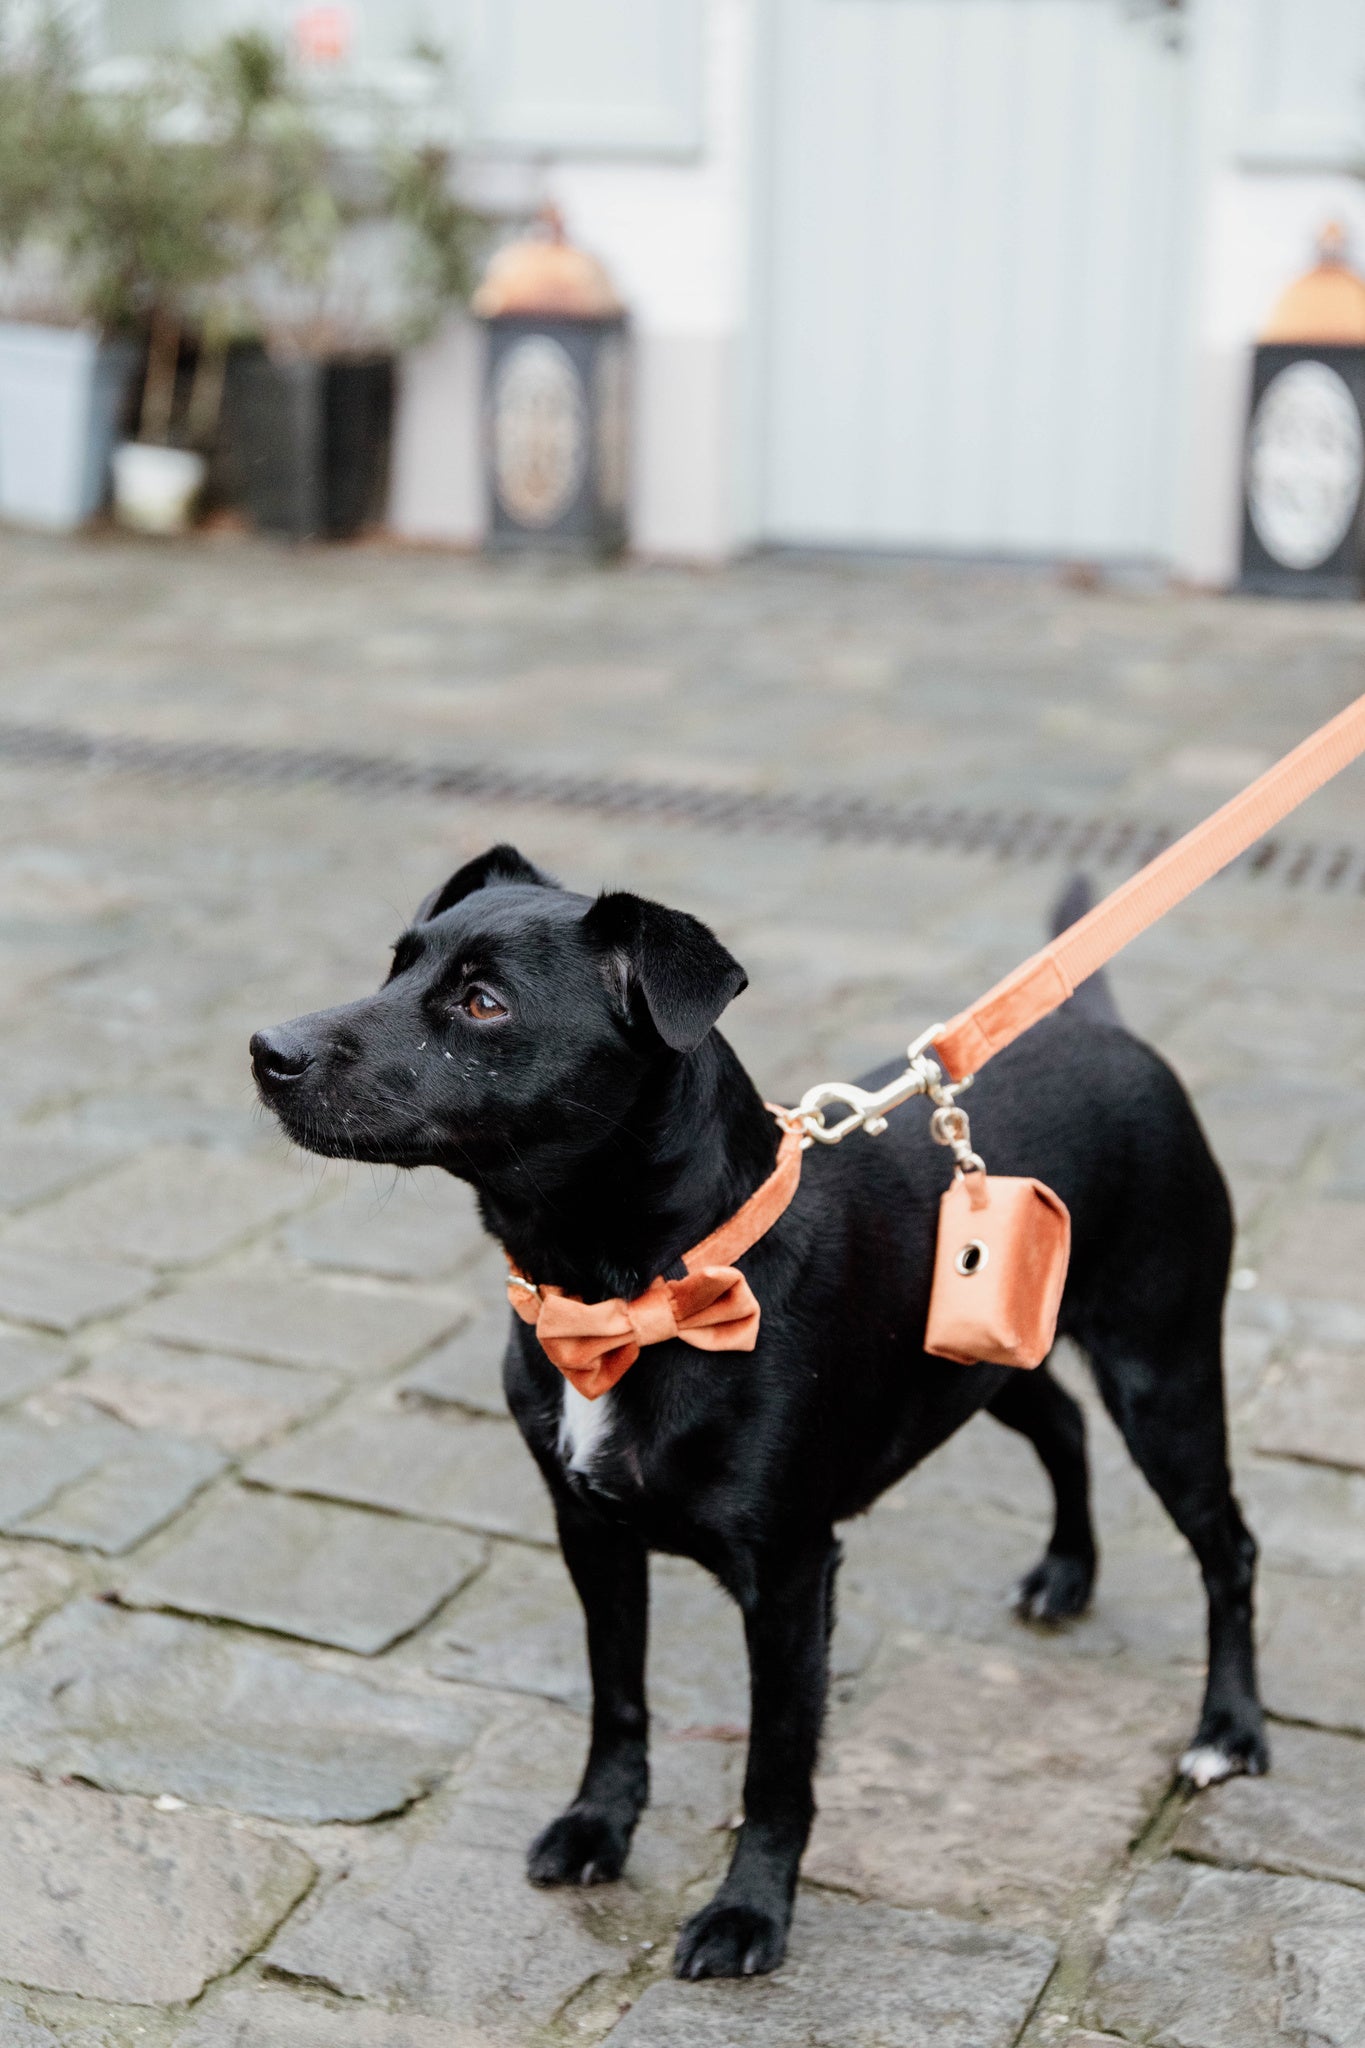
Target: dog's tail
[{"x": 1094, "y": 999}]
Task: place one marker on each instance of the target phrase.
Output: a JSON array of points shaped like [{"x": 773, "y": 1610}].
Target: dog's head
[{"x": 515, "y": 1013}]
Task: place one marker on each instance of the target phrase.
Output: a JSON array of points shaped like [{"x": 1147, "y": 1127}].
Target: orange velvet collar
[{"x": 712, "y": 1307}]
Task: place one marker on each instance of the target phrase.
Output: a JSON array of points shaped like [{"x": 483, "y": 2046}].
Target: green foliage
[
  {"x": 40, "y": 124},
  {"x": 443, "y": 234},
  {"x": 149, "y": 223},
  {"x": 213, "y": 192},
  {"x": 251, "y": 74}
]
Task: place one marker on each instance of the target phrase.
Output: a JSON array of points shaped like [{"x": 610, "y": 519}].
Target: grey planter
[{"x": 63, "y": 392}]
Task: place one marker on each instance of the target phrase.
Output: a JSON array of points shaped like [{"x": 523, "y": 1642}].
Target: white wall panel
[
  {"x": 589, "y": 77},
  {"x": 975, "y": 276},
  {"x": 593, "y": 75},
  {"x": 1305, "y": 84}
]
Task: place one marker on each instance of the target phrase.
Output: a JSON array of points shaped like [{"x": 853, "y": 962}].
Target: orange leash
[
  {"x": 996, "y": 1293},
  {"x": 1044, "y": 981}
]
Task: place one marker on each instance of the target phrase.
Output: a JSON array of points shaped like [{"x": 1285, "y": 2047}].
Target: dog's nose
[{"x": 277, "y": 1058}]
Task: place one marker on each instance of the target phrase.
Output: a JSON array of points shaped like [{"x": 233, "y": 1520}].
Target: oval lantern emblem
[
  {"x": 539, "y": 431},
  {"x": 1305, "y": 465}
]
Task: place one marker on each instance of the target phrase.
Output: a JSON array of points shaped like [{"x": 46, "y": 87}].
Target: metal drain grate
[{"x": 1005, "y": 835}]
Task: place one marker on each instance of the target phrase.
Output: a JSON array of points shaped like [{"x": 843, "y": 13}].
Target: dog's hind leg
[
  {"x": 1165, "y": 1392},
  {"x": 590, "y": 1840},
  {"x": 1060, "y": 1584},
  {"x": 788, "y": 1615}
]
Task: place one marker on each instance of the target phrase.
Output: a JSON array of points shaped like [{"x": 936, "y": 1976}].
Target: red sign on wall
[{"x": 323, "y": 35}]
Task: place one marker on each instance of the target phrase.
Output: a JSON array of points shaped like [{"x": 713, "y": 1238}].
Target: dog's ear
[
  {"x": 499, "y": 864},
  {"x": 681, "y": 970}
]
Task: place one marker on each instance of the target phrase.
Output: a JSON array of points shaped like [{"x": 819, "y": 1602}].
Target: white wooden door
[{"x": 974, "y": 280}]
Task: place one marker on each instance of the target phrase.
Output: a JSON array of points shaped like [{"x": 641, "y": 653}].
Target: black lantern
[
  {"x": 555, "y": 398},
  {"x": 1303, "y": 530}
]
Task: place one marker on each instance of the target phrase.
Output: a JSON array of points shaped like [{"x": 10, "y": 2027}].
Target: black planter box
[
  {"x": 306, "y": 442},
  {"x": 1303, "y": 494}
]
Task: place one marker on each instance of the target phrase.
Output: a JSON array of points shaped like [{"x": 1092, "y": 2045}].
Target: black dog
[{"x": 558, "y": 1053}]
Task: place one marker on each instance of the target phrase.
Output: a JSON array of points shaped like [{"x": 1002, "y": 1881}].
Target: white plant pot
[
  {"x": 155, "y": 488},
  {"x": 62, "y": 395}
]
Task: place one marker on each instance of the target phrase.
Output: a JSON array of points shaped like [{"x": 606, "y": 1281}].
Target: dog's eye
[{"x": 482, "y": 1005}]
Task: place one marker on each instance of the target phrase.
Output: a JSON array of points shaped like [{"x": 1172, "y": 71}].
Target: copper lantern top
[
  {"x": 546, "y": 276},
  {"x": 1326, "y": 304}
]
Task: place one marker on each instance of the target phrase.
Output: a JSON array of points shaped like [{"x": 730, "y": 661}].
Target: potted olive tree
[
  {"x": 118, "y": 209},
  {"x": 65, "y": 379},
  {"x": 154, "y": 230},
  {"x": 359, "y": 250},
  {"x": 208, "y": 221}
]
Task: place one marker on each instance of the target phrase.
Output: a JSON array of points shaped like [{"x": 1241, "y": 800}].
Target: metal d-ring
[{"x": 949, "y": 1126}]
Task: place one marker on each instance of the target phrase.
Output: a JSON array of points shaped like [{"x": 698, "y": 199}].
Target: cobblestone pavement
[{"x": 292, "y": 1670}]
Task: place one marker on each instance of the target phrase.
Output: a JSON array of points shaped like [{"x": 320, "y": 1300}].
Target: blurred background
[{"x": 977, "y": 277}]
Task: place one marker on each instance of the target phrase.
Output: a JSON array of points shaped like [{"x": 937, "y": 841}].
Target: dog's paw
[
  {"x": 1225, "y": 1751},
  {"x": 730, "y": 1940},
  {"x": 581, "y": 1847},
  {"x": 1057, "y": 1589}
]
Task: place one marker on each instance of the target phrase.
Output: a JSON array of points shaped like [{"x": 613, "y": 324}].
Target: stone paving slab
[
  {"x": 519, "y": 1628},
  {"x": 442, "y": 1927},
  {"x": 1261, "y": 1125},
  {"x": 1313, "y": 1649},
  {"x": 148, "y": 1703},
  {"x": 28, "y": 1363},
  {"x": 293, "y": 1321},
  {"x": 109, "y": 1899},
  {"x": 37, "y": 1460},
  {"x": 1306, "y": 1517},
  {"x": 32, "y": 1582},
  {"x": 142, "y": 1480},
  {"x": 131, "y": 1118},
  {"x": 1317, "y": 1251},
  {"x": 527, "y": 1767},
  {"x": 1228, "y": 1033},
  {"x": 171, "y": 1206},
  {"x": 17, "y": 2030},
  {"x": 858, "y": 1976},
  {"x": 46, "y": 1058},
  {"x": 943, "y": 1569},
  {"x": 1314, "y": 1408},
  {"x": 1339, "y": 1325},
  {"x": 304, "y": 1568},
  {"x": 441, "y": 1918},
  {"x": 63, "y": 1293},
  {"x": 259, "y": 2017},
  {"x": 233, "y": 1402},
  {"x": 474, "y": 1472},
  {"x": 464, "y": 1372},
  {"x": 1306, "y": 1819},
  {"x": 413, "y": 1226},
  {"x": 1205, "y": 1958},
  {"x": 993, "y": 1785},
  {"x": 1347, "y": 1168},
  {"x": 33, "y": 1167}
]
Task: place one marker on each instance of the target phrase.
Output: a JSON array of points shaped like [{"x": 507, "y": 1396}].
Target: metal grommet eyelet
[{"x": 972, "y": 1257}]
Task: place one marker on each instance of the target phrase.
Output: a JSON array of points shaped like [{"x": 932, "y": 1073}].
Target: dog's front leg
[
  {"x": 787, "y": 1624},
  {"x": 589, "y": 1842}
]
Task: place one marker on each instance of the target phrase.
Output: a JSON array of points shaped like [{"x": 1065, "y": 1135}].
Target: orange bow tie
[{"x": 712, "y": 1307}]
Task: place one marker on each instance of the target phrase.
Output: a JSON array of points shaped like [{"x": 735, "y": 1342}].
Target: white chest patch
[{"x": 583, "y": 1424}]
